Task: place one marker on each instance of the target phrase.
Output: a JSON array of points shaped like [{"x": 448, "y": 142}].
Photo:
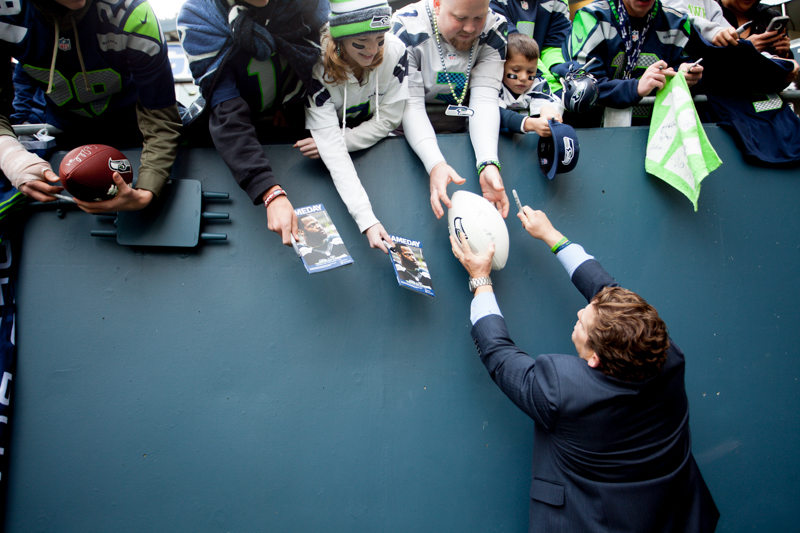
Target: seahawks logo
[
  {"x": 380, "y": 21},
  {"x": 569, "y": 151},
  {"x": 576, "y": 96},
  {"x": 119, "y": 165},
  {"x": 459, "y": 229}
]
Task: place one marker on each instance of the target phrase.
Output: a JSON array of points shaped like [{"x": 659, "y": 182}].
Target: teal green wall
[{"x": 225, "y": 389}]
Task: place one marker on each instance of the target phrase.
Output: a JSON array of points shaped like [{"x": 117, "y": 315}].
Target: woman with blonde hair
[{"x": 357, "y": 98}]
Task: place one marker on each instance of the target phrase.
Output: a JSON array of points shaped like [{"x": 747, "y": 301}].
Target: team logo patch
[
  {"x": 569, "y": 151},
  {"x": 64, "y": 44},
  {"x": 452, "y": 57},
  {"x": 380, "y": 21},
  {"x": 119, "y": 165}
]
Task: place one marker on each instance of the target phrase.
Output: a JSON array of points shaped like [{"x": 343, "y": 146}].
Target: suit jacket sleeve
[
  {"x": 590, "y": 278},
  {"x": 531, "y": 384}
]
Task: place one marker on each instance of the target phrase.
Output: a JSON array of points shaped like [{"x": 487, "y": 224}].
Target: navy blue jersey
[
  {"x": 546, "y": 21},
  {"x": 122, "y": 47},
  {"x": 767, "y": 128}
]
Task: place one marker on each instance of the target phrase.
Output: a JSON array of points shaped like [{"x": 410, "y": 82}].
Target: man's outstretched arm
[
  {"x": 532, "y": 387},
  {"x": 584, "y": 271}
]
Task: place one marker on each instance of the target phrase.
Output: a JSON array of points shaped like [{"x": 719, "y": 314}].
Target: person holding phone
[{"x": 765, "y": 37}]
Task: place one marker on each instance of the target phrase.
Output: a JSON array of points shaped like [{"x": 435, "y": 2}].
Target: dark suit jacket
[{"x": 608, "y": 455}]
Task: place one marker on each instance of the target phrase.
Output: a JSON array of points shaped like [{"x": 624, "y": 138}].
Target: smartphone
[{"x": 778, "y": 24}]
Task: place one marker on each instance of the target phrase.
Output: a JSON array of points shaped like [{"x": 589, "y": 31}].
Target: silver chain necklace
[{"x": 441, "y": 57}]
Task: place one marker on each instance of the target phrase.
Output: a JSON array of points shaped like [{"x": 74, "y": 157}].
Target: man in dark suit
[{"x": 612, "y": 449}]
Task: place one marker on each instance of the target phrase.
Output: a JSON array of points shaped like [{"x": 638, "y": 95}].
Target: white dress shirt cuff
[
  {"x": 572, "y": 257},
  {"x": 483, "y": 305}
]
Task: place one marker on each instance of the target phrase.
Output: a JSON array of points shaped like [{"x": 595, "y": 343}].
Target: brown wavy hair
[
  {"x": 336, "y": 68},
  {"x": 520, "y": 44},
  {"x": 627, "y": 335}
]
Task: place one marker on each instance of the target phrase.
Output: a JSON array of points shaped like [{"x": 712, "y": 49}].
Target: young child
[{"x": 526, "y": 103}]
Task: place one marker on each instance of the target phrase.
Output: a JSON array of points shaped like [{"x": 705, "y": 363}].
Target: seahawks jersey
[
  {"x": 531, "y": 102},
  {"x": 262, "y": 84},
  {"x": 545, "y": 21},
  {"x": 326, "y": 100},
  {"x": 704, "y": 9},
  {"x": 705, "y": 15},
  {"x": 122, "y": 47},
  {"x": 596, "y": 35},
  {"x": 514, "y": 108},
  {"x": 427, "y": 76}
]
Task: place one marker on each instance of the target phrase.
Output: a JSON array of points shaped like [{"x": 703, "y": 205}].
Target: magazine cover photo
[
  {"x": 410, "y": 267},
  {"x": 319, "y": 245}
]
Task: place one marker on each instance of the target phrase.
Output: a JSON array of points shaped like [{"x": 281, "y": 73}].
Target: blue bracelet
[{"x": 562, "y": 246}]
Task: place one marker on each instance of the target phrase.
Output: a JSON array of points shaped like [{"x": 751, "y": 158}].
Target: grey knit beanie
[{"x": 354, "y": 18}]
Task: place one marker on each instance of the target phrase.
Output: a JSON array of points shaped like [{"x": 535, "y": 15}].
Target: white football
[{"x": 482, "y": 223}]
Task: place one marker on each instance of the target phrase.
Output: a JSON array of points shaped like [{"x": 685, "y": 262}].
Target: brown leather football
[{"x": 86, "y": 172}]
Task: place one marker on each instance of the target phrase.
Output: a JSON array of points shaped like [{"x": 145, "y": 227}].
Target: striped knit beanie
[{"x": 354, "y": 18}]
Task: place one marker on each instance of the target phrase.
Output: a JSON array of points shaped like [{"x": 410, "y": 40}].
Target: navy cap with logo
[{"x": 559, "y": 153}]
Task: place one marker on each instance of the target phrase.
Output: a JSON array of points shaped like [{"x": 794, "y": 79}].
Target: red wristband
[{"x": 273, "y": 195}]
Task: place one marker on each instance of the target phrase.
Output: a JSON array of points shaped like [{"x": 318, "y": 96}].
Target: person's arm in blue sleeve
[
  {"x": 24, "y": 91},
  {"x": 511, "y": 121}
]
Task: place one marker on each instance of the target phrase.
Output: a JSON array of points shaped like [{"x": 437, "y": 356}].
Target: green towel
[{"x": 678, "y": 150}]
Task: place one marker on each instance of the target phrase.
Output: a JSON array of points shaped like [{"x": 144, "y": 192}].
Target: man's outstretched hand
[
  {"x": 477, "y": 266},
  {"x": 441, "y": 175},
  {"x": 493, "y": 189},
  {"x": 538, "y": 226}
]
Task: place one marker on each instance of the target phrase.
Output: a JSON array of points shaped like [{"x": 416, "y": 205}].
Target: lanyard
[{"x": 629, "y": 37}]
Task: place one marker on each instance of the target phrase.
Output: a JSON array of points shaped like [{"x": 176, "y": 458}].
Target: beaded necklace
[{"x": 441, "y": 57}]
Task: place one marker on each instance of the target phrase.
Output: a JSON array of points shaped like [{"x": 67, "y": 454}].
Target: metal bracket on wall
[{"x": 173, "y": 220}]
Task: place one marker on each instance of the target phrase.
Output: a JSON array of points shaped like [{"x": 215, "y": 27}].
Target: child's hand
[
  {"x": 537, "y": 124},
  {"x": 547, "y": 112}
]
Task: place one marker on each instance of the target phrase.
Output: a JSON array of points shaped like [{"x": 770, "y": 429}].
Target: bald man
[{"x": 463, "y": 57}]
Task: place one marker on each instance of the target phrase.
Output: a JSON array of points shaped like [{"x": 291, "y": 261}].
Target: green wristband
[{"x": 560, "y": 245}]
